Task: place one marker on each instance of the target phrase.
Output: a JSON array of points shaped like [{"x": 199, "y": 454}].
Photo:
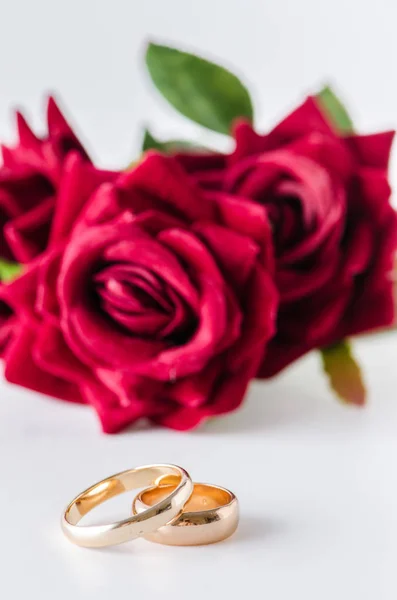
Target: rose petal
[
  {"x": 159, "y": 182},
  {"x": 47, "y": 303},
  {"x": 20, "y": 293},
  {"x": 149, "y": 254},
  {"x": 117, "y": 411},
  {"x": 259, "y": 324},
  {"x": 371, "y": 195},
  {"x": 26, "y": 136},
  {"x": 236, "y": 254},
  {"x": 28, "y": 234},
  {"x": 79, "y": 181},
  {"x": 192, "y": 356},
  {"x": 53, "y": 355},
  {"x": 90, "y": 335},
  {"x": 307, "y": 117},
  {"x": 31, "y": 376},
  {"x": 372, "y": 150},
  {"x": 329, "y": 152},
  {"x": 230, "y": 391},
  {"x": 243, "y": 216},
  {"x": 113, "y": 417},
  {"x": 197, "y": 390},
  {"x": 248, "y": 142}
]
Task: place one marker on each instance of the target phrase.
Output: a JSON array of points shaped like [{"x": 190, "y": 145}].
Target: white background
[{"x": 317, "y": 481}]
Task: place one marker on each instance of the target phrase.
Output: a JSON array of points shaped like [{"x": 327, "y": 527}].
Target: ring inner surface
[
  {"x": 204, "y": 497},
  {"x": 93, "y": 498}
]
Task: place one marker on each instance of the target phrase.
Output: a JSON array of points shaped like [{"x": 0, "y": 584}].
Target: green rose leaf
[
  {"x": 344, "y": 373},
  {"x": 334, "y": 111},
  {"x": 201, "y": 90},
  {"x": 9, "y": 270},
  {"x": 151, "y": 143}
]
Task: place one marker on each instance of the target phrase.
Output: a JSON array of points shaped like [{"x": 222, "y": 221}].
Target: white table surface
[{"x": 317, "y": 483}]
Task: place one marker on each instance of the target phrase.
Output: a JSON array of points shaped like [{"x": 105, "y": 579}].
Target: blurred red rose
[
  {"x": 156, "y": 302},
  {"x": 334, "y": 230},
  {"x": 29, "y": 180}
]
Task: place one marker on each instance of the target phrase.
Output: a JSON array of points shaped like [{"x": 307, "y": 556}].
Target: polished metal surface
[
  {"x": 167, "y": 509},
  {"x": 211, "y": 515}
]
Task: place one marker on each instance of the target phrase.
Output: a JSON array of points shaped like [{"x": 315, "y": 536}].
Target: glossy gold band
[
  {"x": 211, "y": 515},
  {"x": 168, "y": 508}
]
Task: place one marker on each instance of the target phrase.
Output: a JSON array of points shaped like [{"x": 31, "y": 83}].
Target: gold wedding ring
[
  {"x": 152, "y": 518},
  {"x": 210, "y": 515}
]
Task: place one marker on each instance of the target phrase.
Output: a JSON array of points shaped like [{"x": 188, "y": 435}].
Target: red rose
[
  {"x": 334, "y": 230},
  {"x": 157, "y": 304},
  {"x": 29, "y": 180}
]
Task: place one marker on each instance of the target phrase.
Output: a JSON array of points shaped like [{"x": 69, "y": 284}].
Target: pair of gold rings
[{"x": 170, "y": 510}]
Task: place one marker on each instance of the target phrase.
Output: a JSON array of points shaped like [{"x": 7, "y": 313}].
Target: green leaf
[
  {"x": 334, "y": 110},
  {"x": 151, "y": 143},
  {"x": 201, "y": 90},
  {"x": 9, "y": 270},
  {"x": 344, "y": 373}
]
